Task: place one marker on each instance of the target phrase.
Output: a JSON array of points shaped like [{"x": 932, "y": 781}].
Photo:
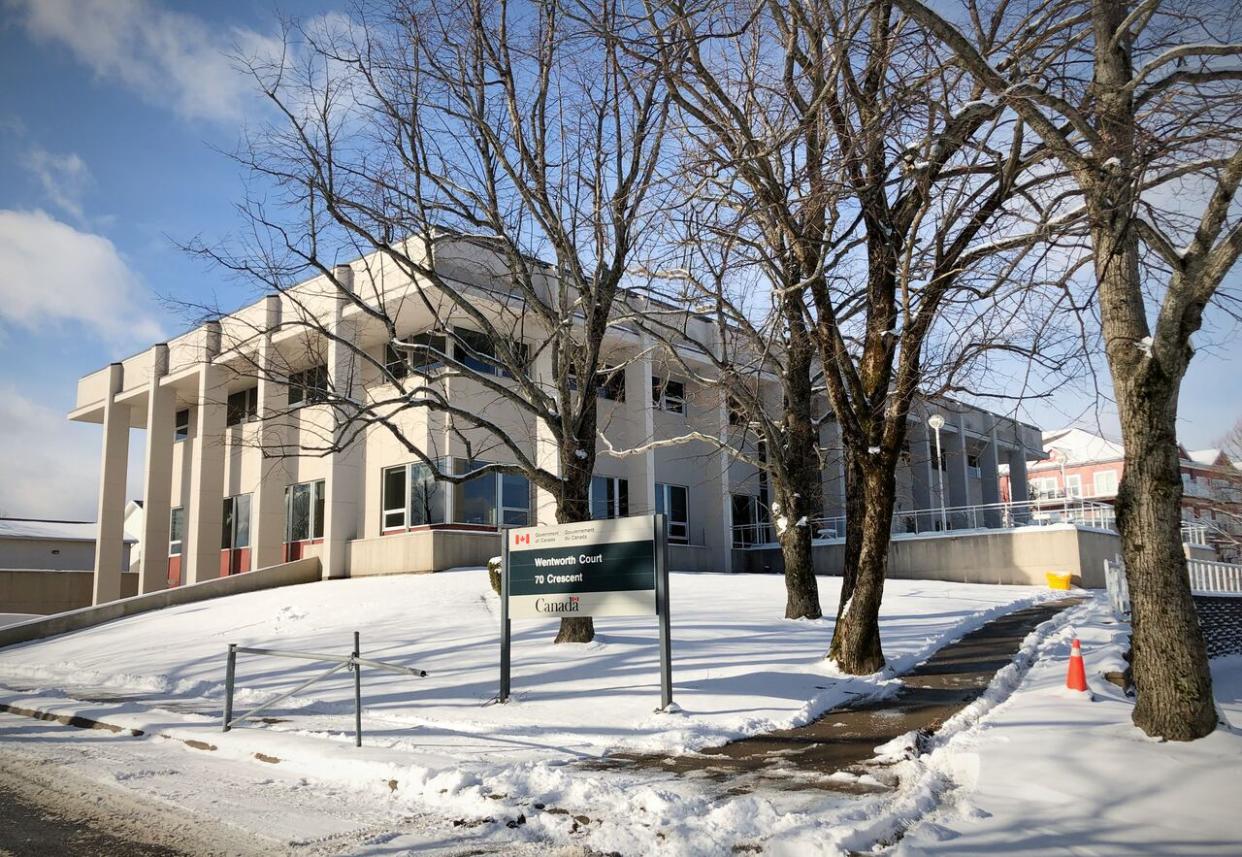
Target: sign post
[{"x": 613, "y": 567}]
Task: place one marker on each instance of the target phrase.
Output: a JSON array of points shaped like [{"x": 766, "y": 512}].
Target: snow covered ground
[{"x": 444, "y": 769}]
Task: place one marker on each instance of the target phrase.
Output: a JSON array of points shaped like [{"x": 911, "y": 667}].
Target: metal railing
[
  {"x": 990, "y": 516},
  {"x": 1206, "y": 578},
  {"x": 352, "y": 662}
]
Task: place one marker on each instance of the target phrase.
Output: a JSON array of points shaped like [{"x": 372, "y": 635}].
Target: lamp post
[
  {"x": 937, "y": 423},
  {"x": 1058, "y": 455}
]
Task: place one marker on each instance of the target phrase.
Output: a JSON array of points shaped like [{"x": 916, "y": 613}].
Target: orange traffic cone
[{"x": 1076, "y": 679}]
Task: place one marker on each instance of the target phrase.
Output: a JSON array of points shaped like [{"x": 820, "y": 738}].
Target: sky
[{"x": 115, "y": 120}]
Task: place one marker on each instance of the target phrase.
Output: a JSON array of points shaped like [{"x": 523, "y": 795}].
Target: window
[
  {"x": 750, "y": 521},
  {"x": 395, "y": 498},
  {"x": 236, "y": 530},
  {"x": 427, "y": 497},
  {"x": 474, "y": 501},
  {"x": 1073, "y": 485},
  {"x": 308, "y": 386},
  {"x": 611, "y": 383},
  {"x": 181, "y": 425},
  {"x": 671, "y": 502},
  {"x": 972, "y": 466},
  {"x": 304, "y": 509},
  {"x": 609, "y": 497},
  {"x": 1045, "y": 487},
  {"x": 395, "y": 363},
  {"x": 243, "y": 407},
  {"x": 669, "y": 395},
  {"x": 476, "y": 352},
  {"x": 514, "y": 500},
  {"x": 1105, "y": 483},
  {"x": 737, "y": 415},
  {"x": 176, "y": 531}
]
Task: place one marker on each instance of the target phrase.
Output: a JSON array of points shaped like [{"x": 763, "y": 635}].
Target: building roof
[
  {"x": 61, "y": 531},
  {"x": 1082, "y": 446},
  {"x": 1207, "y": 457}
]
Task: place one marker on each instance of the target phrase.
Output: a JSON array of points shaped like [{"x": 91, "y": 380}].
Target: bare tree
[
  {"x": 1139, "y": 102},
  {"x": 1230, "y": 443},
  {"x": 875, "y": 186},
  {"x": 455, "y": 145}
]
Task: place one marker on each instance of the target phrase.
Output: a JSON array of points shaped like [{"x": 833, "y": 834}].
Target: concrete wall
[
  {"x": 421, "y": 551},
  {"x": 46, "y": 591},
  {"x": 48, "y": 553},
  {"x": 1022, "y": 556},
  {"x": 301, "y": 571}
]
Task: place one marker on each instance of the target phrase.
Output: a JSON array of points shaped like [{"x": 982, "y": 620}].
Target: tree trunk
[
  {"x": 1169, "y": 657},
  {"x": 573, "y": 506},
  {"x": 795, "y": 532},
  {"x": 856, "y": 636}
]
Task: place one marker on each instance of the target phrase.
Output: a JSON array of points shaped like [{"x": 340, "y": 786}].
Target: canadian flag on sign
[{"x": 521, "y": 538}]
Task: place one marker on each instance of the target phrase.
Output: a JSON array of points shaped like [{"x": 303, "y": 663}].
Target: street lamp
[
  {"x": 1058, "y": 455},
  {"x": 937, "y": 423}
]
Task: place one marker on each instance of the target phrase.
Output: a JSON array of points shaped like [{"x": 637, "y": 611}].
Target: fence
[
  {"x": 352, "y": 662},
  {"x": 1206, "y": 578},
  {"x": 992, "y": 516}
]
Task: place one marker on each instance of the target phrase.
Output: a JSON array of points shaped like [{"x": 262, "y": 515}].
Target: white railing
[
  {"x": 1207, "y": 576},
  {"x": 1194, "y": 534},
  {"x": 983, "y": 516}
]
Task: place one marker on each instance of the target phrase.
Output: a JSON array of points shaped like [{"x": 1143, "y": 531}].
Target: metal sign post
[{"x": 613, "y": 567}]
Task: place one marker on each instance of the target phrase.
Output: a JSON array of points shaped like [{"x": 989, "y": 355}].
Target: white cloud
[
  {"x": 50, "y": 468},
  {"x": 65, "y": 178},
  {"x": 56, "y": 274},
  {"x": 169, "y": 58}
]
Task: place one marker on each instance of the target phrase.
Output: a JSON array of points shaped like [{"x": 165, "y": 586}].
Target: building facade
[
  {"x": 244, "y": 467},
  {"x": 1085, "y": 466}
]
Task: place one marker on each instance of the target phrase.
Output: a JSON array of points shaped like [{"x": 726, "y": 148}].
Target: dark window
[
  {"x": 181, "y": 425},
  {"x": 737, "y": 417},
  {"x": 236, "y": 530},
  {"x": 474, "y": 501},
  {"x": 426, "y": 497},
  {"x": 304, "y": 509},
  {"x": 309, "y": 386},
  {"x": 474, "y": 351},
  {"x": 671, "y": 502},
  {"x": 610, "y": 497},
  {"x": 669, "y": 395},
  {"x": 176, "y": 531},
  {"x": 611, "y": 382},
  {"x": 395, "y": 498},
  {"x": 243, "y": 407},
  {"x": 428, "y": 357},
  {"x": 395, "y": 363}
]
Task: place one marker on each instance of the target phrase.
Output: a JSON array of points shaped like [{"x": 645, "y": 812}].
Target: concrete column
[
  {"x": 1019, "y": 490},
  {"x": 640, "y": 413},
  {"x": 724, "y": 460},
  {"x": 157, "y": 484},
  {"x": 989, "y": 467},
  {"x": 268, "y": 531},
  {"x": 833, "y": 480},
  {"x": 204, "y": 518},
  {"x": 114, "y": 464},
  {"x": 547, "y": 455},
  {"x": 921, "y": 474},
  {"x": 341, "y": 506},
  {"x": 955, "y": 477}
]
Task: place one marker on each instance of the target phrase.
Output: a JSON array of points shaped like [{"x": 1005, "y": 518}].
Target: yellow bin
[{"x": 1056, "y": 580}]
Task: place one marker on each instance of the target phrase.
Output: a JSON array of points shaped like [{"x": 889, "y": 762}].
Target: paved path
[{"x": 806, "y": 757}]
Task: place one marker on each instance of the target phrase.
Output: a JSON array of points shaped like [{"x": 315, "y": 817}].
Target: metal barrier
[
  {"x": 352, "y": 662},
  {"x": 1206, "y": 578}
]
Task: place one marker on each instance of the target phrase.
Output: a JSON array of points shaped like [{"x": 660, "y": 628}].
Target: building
[
  {"x": 47, "y": 566},
  {"x": 1083, "y": 466},
  {"x": 222, "y": 502}
]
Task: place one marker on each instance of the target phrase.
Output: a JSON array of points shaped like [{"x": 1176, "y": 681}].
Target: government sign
[
  {"x": 596, "y": 568},
  {"x": 614, "y": 567}
]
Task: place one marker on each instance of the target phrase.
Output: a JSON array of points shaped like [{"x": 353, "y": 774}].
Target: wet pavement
[{"x": 808, "y": 757}]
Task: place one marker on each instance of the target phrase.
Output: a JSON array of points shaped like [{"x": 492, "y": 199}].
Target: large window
[
  {"x": 236, "y": 530},
  {"x": 1045, "y": 487},
  {"x": 611, "y": 382},
  {"x": 669, "y": 395},
  {"x": 308, "y": 386},
  {"x": 243, "y": 407},
  {"x": 672, "y": 503},
  {"x": 610, "y": 497},
  {"x": 181, "y": 425},
  {"x": 395, "y": 363},
  {"x": 176, "y": 531},
  {"x": 750, "y": 521},
  {"x": 1073, "y": 485},
  {"x": 1105, "y": 483},
  {"x": 412, "y": 497},
  {"x": 304, "y": 510}
]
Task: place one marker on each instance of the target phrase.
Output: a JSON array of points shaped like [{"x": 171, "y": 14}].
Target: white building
[{"x": 220, "y": 506}]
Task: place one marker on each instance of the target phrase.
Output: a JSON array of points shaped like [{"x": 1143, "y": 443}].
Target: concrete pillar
[
  {"x": 547, "y": 455},
  {"x": 921, "y": 475},
  {"x": 724, "y": 461},
  {"x": 157, "y": 482},
  {"x": 205, "y": 517},
  {"x": 341, "y": 506},
  {"x": 989, "y": 466},
  {"x": 1019, "y": 490},
  {"x": 640, "y": 413},
  {"x": 956, "y": 479},
  {"x": 268, "y": 531},
  {"x": 110, "y": 514},
  {"x": 833, "y": 481}
]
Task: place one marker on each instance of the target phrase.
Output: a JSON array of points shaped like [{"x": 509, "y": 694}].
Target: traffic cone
[{"x": 1076, "y": 679}]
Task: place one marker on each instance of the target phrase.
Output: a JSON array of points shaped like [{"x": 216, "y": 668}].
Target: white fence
[{"x": 1206, "y": 578}]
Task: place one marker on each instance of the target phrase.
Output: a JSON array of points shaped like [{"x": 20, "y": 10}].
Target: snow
[
  {"x": 1145, "y": 345},
  {"x": 29, "y": 528},
  {"x": 1026, "y": 768},
  {"x": 738, "y": 669}
]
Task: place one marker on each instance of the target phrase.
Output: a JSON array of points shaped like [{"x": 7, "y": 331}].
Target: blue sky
[{"x": 112, "y": 115}]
